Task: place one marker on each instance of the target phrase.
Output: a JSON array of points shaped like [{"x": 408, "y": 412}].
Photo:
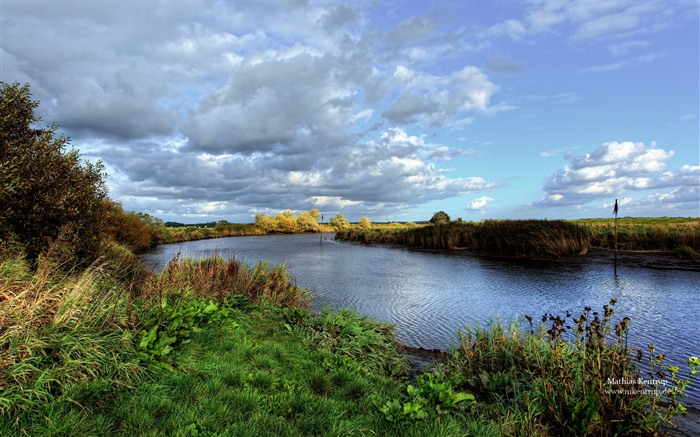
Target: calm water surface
[{"x": 431, "y": 296}]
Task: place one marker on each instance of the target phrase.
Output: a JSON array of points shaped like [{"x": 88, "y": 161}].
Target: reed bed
[
  {"x": 510, "y": 237},
  {"x": 220, "y": 278},
  {"x": 644, "y": 234},
  {"x": 541, "y": 238}
]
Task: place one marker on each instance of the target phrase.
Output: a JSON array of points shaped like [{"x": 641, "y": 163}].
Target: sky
[{"x": 218, "y": 110}]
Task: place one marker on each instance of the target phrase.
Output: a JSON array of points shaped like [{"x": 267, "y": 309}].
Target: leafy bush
[
  {"x": 440, "y": 218},
  {"x": 136, "y": 231},
  {"x": 339, "y": 222},
  {"x": 432, "y": 396},
  {"x": 173, "y": 324},
  {"x": 365, "y": 222},
  {"x": 44, "y": 187}
]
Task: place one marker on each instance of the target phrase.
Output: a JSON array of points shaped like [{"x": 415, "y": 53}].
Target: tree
[
  {"x": 440, "y": 218},
  {"x": 285, "y": 222},
  {"x": 339, "y": 222},
  {"x": 43, "y": 187},
  {"x": 365, "y": 222},
  {"x": 315, "y": 213},
  {"x": 136, "y": 230},
  {"x": 307, "y": 222},
  {"x": 264, "y": 222}
]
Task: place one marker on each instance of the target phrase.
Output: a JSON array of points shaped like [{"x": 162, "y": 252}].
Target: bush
[
  {"x": 440, "y": 218},
  {"x": 137, "y": 231},
  {"x": 43, "y": 187},
  {"x": 339, "y": 222},
  {"x": 365, "y": 222}
]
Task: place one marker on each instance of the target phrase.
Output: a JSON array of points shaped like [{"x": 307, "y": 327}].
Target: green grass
[{"x": 260, "y": 372}]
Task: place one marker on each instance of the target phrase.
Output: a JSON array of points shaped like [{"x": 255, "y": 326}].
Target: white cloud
[
  {"x": 614, "y": 169},
  {"x": 478, "y": 203},
  {"x": 439, "y": 99},
  {"x": 600, "y": 19}
]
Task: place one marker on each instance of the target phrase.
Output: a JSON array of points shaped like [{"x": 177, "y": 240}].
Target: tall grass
[
  {"x": 567, "y": 376},
  {"x": 58, "y": 329},
  {"x": 661, "y": 234},
  {"x": 61, "y": 328},
  {"x": 540, "y": 238},
  {"x": 219, "y": 278},
  {"x": 509, "y": 237}
]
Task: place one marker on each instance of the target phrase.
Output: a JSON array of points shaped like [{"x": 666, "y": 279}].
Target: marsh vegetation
[{"x": 541, "y": 238}]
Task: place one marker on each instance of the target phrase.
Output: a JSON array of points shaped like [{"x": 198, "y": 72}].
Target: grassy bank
[
  {"x": 168, "y": 235},
  {"x": 215, "y": 347},
  {"x": 541, "y": 238}
]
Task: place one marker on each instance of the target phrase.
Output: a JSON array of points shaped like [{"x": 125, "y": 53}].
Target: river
[{"x": 430, "y": 296}]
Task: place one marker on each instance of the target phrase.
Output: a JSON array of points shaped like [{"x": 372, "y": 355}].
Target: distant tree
[
  {"x": 339, "y": 222},
  {"x": 307, "y": 222},
  {"x": 440, "y": 218},
  {"x": 365, "y": 222},
  {"x": 222, "y": 224},
  {"x": 285, "y": 222},
  {"x": 45, "y": 188},
  {"x": 315, "y": 213},
  {"x": 266, "y": 223}
]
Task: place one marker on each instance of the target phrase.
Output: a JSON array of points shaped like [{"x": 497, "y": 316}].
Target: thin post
[{"x": 615, "y": 214}]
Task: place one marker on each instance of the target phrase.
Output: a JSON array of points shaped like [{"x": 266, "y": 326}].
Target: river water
[{"x": 430, "y": 296}]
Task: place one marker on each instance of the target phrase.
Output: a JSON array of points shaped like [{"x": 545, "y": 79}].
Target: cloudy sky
[{"x": 209, "y": 110}]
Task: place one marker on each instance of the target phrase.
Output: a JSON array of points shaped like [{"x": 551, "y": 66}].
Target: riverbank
[
  {"x": 670, "y": 243},
  {"x": 214, "y": 346}
]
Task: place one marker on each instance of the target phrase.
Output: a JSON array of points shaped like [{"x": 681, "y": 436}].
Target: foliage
[
  {"x": 440, "y": 218},
  {"x": 564, "y": 376},
  {"x": 58, "y": 330},
  {"x": 364, "y": 222},
  {"x": 339, "y": 222},
  {"x": 137, "y": 231},
  {"x": 512, "y": 237},
  {"x": 43, "y": 187},
  {"x": 285, "y": 222},
  {"x": 433, "y": 395},
  {"x": 307, "y": 221},
  {"x": 353, "y": 338},
  {"x": 219, "y": 278},
  {"x": 178, "y": 234},
  {"x": 172, "y": 324}
]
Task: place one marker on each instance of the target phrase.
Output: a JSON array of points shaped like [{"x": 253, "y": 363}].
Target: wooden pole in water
[{"x": 615, "y": 213}]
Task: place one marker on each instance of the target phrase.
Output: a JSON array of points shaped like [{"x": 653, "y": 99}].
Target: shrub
[
  {"x": 43, "y": 187},
  {"x": 440, "y": 218},
  {"x": 339, "y": 222},
  {"x": 365, "y": 222},
  {"x": 136, "y": 231}
]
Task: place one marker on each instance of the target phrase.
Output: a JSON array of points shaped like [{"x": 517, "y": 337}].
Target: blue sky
[{"x": 209, "y": 110}]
